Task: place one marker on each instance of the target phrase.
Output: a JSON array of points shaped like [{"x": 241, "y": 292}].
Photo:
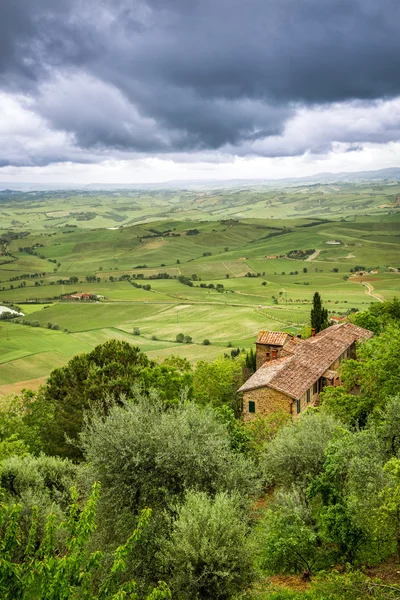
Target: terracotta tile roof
[
  {"x": 265, "y": 374},
  {"x": 297, "y": 373},
  {"x": 276, "y": 338},
  {"x": 291, "y": 347}
]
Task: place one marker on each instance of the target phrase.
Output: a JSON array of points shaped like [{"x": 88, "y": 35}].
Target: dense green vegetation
[
  {"x": 174, "y": 496},
  {"x": 127, "y": 472}
]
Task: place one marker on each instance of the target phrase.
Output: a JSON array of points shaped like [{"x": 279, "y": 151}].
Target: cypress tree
[
  {"x": 319, "y": 315},
  {"x": 250, "y": 360}
]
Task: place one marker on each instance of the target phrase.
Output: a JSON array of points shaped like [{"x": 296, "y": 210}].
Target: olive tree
[
  {"x": 297, "y": 453},
  {"x": 147, "y": 456},
  {"x": 209, "y": 554}
]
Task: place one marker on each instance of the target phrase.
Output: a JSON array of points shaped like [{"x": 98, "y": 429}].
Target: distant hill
[{"x": 381, "y": 175}]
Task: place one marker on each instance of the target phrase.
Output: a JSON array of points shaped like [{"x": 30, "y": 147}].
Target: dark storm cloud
[{"x": 181, "y": 75}]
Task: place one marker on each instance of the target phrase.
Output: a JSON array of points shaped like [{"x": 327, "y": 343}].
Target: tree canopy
[{"x": 319, "y": 315}]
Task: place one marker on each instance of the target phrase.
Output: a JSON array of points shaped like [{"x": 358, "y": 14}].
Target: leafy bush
[
  {"x": 366, "y": 320},
  {"x": 376, "y": 373},
  {"x": 297, "y": 453},
  {"x": 262, "y": 430},
  {"x": 39, "y": 485},
  {"x": 145, "y": 456},
  {"x": 40, "y": 571},
  {"x": 287, "y": 537},
  {"x": 209, "y": 554},
  {"x": 216, "y": 383}
]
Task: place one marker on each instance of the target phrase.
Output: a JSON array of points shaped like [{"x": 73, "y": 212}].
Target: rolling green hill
[{"x": 265, "y": 250}]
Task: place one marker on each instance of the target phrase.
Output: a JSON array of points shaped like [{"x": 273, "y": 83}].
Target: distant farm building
[
  {"x": 291, "y": 372},
  {"x": 334, "y": 319},
  {"x": 85, "y": 296}
]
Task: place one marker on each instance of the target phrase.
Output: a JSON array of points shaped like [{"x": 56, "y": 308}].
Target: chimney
[
  {"x": 274, "y": 354},
  {"x": 312, "y": 331}
]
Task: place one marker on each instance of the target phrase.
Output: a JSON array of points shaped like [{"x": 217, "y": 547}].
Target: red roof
[{"x": 275, "y": 338}]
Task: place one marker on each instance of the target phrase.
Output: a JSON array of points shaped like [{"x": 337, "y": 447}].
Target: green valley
[{"x": 211, "y": 264}]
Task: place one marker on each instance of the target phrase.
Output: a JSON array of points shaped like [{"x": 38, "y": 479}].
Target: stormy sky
[{"x": 127, "y": 91}]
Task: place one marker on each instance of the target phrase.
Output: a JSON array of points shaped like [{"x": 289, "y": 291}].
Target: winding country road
[
  {"x": 369, "y": 291},
  {"x": 313, "y": 256}
]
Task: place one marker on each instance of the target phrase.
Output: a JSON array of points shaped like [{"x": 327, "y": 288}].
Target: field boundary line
[
  {"x": 9, "y": 362},
  {"x": 228, "y": 269}
]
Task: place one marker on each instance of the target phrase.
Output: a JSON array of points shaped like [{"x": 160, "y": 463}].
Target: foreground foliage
[
  {"x": 333, "y": 586},
  {"x": 46, "y": 572},
  {"x": 209, "y": 554}
]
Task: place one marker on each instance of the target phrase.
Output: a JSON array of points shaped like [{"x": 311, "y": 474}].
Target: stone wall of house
[
  {"x": 266, "y": 402},
  {"x": 265, "y": 352},
  {"x": 261, "y": 354},
  {"x": 314, "y": 399}
]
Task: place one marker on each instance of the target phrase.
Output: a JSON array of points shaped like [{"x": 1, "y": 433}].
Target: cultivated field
[{"x": 254, "y": 259}]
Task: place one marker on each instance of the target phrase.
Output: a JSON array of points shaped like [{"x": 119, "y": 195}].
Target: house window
[
  {"x": 298, "y": 406},
  {"x": 252, "y": 406},
  {"x": 315, "y": 388},
  {"x": 308, "y": 395}
]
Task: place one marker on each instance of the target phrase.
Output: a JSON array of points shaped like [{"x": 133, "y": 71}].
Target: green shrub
[
  {"x": 297, "y": 453},
  {"x": 60, "y": 566},
  {"x": 146, "y": 456},
  {"x": 287, "y": 537},
  {"x": 209, "y": 554}
]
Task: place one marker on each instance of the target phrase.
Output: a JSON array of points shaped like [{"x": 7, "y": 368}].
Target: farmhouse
[
  {"x": 83, "y": 296},
  {"x": 291, "y": 372}
]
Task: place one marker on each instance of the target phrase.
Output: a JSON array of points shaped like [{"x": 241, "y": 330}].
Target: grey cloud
[{"x": 167, "y": 76}]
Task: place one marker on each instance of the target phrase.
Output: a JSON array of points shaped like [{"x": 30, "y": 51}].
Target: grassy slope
[{"x": 171, "y": 307}]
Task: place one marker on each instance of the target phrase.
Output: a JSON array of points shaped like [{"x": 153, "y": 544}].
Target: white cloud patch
[
  {"x": 319, "y": 129},
  {"x": 38, "y": 138}
]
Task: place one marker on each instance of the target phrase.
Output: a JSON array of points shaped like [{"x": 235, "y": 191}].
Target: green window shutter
[
  {"x": 298, "y": 406},
  {"x": 252, "y": 406},
  {"x": 308, "y": 395},
  {"x": 315, "y": 387}
]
